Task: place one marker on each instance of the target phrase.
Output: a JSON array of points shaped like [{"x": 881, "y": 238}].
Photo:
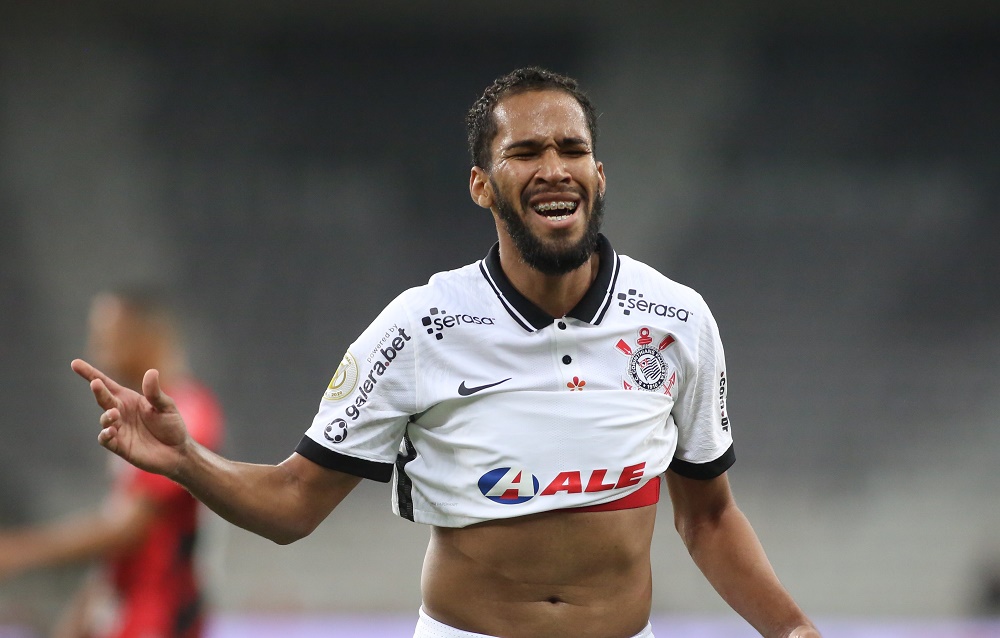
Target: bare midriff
[{"x": 552, "y": 575}]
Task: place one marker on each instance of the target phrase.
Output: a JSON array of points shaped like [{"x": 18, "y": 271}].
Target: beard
[{"x": 550, "y": 258}]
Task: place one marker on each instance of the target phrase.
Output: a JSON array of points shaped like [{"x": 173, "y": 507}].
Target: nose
[{"x": 552, "y": 168}]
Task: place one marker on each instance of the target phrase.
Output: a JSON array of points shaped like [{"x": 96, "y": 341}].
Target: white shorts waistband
[{"x": 427, "y": 627}]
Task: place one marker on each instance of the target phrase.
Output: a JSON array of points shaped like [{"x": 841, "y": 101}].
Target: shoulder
[
  {"x": 457, "y": 278},
  {"x": 448, "y": 298},
  {"x": 445, "y": 286},
  {"x": 644, "y": 288}
]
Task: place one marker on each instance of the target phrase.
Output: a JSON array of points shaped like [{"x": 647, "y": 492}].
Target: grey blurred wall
[{"x": 826, "y": 177}]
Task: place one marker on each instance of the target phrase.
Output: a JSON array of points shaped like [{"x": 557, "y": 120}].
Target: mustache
[{"x": 527, "y": 194}]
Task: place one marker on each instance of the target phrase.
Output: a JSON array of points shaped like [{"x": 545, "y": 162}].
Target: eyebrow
[{"x": 534, "y": 144}]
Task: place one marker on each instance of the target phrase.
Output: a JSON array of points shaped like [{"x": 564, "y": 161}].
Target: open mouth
[{"x": 556, "y": 211}]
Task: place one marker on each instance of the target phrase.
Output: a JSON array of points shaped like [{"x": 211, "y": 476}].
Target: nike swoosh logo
[{"x": 466, "y": 391}]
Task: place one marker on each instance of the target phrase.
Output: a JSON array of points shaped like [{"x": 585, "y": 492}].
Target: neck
[{"x": 555, "y": 294}]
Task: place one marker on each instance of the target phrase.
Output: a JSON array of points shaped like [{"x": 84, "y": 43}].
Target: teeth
[
  {"x": 558, "y": 218},
  {"x": 547, "y": 206}
]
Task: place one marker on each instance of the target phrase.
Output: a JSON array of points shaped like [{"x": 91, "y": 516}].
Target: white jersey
[{"x": 480, "y": 406}]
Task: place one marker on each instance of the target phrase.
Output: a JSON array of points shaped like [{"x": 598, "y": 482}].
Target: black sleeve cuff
[
  {"x": 381, "y": 472},
  {"x": 704, "y": 471}
]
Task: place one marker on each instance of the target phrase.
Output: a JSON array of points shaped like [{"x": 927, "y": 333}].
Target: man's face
[
  {"x": 547, "y": 189},
  {"x": 115, "y": 341}
]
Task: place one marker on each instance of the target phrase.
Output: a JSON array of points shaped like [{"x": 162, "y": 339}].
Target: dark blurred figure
[
  {"x": 142, "y": 539},
  {"x": 988, "y": 601}
]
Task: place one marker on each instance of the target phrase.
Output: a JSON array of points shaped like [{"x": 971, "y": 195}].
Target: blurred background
[{"x": 826, "y": 174}]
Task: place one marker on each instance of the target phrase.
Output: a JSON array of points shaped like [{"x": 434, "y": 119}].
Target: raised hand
[{"x": 144, "y": 429}]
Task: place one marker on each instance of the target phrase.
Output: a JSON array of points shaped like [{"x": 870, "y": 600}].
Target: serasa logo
[
  {"x": 514, "y": 485},
  {"x": 437, "y": 321},
  {"x": 634, "y": 301}
]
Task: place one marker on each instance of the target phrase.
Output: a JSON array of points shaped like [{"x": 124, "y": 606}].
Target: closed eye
[{"x": 528, "y": 149}]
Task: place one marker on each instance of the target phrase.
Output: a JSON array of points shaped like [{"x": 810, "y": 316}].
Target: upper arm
[
  {"x": 698, "y": 501},
  {"x": 318, "y": 489},
  {"x": 363, "y": 415},
  {"x": 704, "y": 436}
]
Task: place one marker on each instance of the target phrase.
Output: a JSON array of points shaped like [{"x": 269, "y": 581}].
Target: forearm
[
  {"x": 280, "y": 502},
  {"x": 80, "y": 538},
  {"x": 727, "y": 551},
  {"x": 273, "y": 501}
]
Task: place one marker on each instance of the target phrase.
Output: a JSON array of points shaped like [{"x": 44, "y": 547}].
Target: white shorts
[{"x": 427, "y": 627}]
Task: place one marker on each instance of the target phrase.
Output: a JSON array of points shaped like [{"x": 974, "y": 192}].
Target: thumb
[{"x": 153, "y": 392}]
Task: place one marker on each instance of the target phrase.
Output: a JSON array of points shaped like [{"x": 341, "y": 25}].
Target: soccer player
[
  {"x": 526, "y": 407},
  {"x": 145, "y": 584}
]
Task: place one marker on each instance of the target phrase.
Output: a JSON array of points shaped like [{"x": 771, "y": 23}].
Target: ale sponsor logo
[{"x": 516, "y": 485}]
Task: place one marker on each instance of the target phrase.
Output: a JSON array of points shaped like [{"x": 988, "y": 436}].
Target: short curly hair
[{"x": 482, "y": 125}]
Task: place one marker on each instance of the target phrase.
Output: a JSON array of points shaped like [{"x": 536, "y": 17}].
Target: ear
[
  {"x": 601, "y": 180},
  {"x": 480, "y": 188}
]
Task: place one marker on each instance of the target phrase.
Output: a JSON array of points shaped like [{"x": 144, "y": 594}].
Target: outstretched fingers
[
  {"x": 153, "y": 392},
  {"x": 103, "y": 387},
  {"x": 90, "y": 373},
  {"x": 109, "y": 421},
  {"x": 103, "y": 395},
  {"x": 107, "y": 437}
]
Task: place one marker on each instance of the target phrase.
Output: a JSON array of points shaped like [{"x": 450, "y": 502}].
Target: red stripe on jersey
[{"x": 648, "y": 494}]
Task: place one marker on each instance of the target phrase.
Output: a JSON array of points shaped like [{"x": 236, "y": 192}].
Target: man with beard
[{"x": 525, "y": 406}]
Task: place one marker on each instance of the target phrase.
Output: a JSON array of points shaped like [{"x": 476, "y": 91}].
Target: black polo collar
[{"x": 591, "y": 309}]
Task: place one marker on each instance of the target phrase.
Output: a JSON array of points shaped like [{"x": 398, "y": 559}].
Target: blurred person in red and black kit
[{"x": 143, "y": 536}]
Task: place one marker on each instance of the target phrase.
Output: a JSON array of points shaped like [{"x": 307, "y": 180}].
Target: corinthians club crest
[{"x": 646, "y": 367}]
